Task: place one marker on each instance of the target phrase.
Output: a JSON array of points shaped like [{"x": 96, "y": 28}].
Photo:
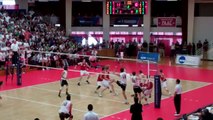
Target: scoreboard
[{"x": 126, "y": 7}]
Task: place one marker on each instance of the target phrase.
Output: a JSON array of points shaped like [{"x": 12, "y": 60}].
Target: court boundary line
[
  {"x": 94, "y": 97},
  {"x": 104, "y": 116},
  {"x": 42, "y": 103},
  {"x": 90, "y": 84},
  {"x": 162, "y": 99}
]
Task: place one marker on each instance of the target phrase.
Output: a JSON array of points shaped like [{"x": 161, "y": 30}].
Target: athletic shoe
[
  {"x": 126, "y": 102},
  {"x": 88, "y": 82},
  {"x": 110, "y": 91},
  {"x": 176, "y": 115},
  {"x": 100, "y": 95},
  {"x": 79, "y": 84},
  {"x": 59, "y": 95}
]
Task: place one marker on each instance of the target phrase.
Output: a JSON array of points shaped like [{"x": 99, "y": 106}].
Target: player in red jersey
[
  {"x": 83, "y": 71},
  {"x": 111, "y": 81},
  {"x": 99, "y": 80},
  {"x": 104, "y": 82},
  {"x": 147, "y": 90},
  {"x": 164, "y": 82}
]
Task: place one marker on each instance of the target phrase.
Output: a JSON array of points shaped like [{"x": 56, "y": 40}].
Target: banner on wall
[
  {"x": 148, "y": 56},
  {"x": 166, "y": 21},
  {"x": 187, "y": 60}
]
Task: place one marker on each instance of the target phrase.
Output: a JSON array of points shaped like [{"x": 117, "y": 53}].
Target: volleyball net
[{"x": 45, "y": 60}]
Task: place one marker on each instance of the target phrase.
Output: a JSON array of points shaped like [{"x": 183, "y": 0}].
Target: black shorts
[
  {"x": 137, "y": 90},
  {"x": 65, "y": 115},
  {"x": 123, "y": 86},
  {"x": 64, "y": 82}
]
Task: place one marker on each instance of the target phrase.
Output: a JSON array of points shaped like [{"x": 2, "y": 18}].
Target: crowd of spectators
[
  {"x": 205, "y": 113},
  {"x": 31, "y": 32},
  {"x": 131, "y": 48}
]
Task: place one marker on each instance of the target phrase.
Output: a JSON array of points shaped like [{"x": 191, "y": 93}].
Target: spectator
[
  {"x": 206, "y": 115},
  {"x": 193, "y": 48},
  {"x": 90, "y": 115},
  {"x": 15, "y": 48},
  {"x": 151, "y": 47},
  {"x": 189, "y": 48},
  {"x": 172, "y": 50},
  {"x": 177, "y": 48},
  {"x": 205, "y": 49},
  {"x": 136, "y": 110},
  {"x": 199, "y": 47},
  {"x": 145, "y": 45}
]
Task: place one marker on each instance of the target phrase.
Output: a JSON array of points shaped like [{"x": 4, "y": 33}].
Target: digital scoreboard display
[{"x": 126, "y": 7}]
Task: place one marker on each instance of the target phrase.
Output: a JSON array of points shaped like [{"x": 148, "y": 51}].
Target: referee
[
  {"x": 177, "y": 97},
  {"x": 14, "y": 48}
]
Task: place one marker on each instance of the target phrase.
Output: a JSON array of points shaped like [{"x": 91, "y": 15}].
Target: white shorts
[
  {"x": 105, "y": 83},
  {"x": 121, "y": 55},
  {"x": 83, "y": 72},
  {"x": 164, "y": 84},
  {"x": 148, "y": 92},
  {"x": 99, "y": 83}
]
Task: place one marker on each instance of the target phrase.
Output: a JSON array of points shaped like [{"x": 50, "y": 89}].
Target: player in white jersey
[
  {"x": 65, "y": 110},
  {"x": 123, "y": 83},
  {"x": 136, "y": 85},
  {"x": 141, "y": 76},
  {"x": 64, "y": 81}
]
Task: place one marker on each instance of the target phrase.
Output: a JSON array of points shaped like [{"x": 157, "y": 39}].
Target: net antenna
[{"x": 149, "y": 58}]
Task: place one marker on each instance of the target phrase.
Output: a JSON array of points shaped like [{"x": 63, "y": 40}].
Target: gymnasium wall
[
  {"x": 23, "y": 4},
  {"x": 203, "y": 29}
]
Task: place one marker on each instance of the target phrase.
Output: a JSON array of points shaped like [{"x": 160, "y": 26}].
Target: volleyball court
[{"x": 43, "y": 83}]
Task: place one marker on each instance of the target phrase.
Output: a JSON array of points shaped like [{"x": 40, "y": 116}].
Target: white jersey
[
  {"x": 123, "y": 78},
  {"x": 178, "y": 89},
  {"x": 90, "y": 115},
  {"x": 64, "y": 75},
  {"x": 135, "y": 81},
  {"x": 142, "y": 77},
  {"x": 65, "y": 107}
]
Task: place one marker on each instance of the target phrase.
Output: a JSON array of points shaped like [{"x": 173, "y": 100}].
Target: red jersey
[
  {"x": 83, "y": 66},
  {"x": 162, "y": 77},
  {"x": 100, "y": 77},
  {"x": 107, "y": 76},
  {"x": 149, "y": 85}
]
